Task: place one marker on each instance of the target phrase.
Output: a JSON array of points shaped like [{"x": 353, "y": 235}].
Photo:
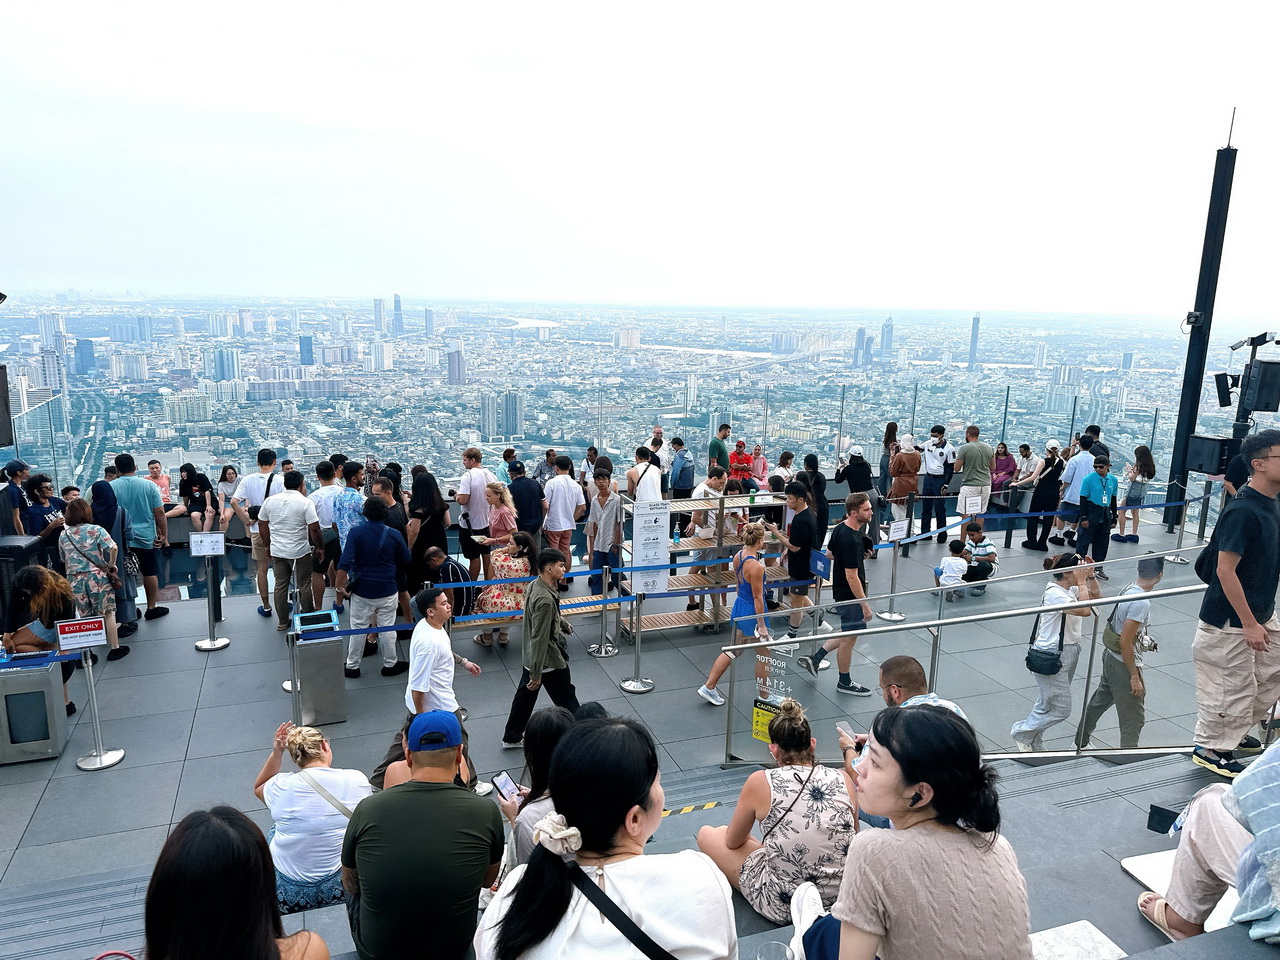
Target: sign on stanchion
[
  {"x": 651, "y": 545},
  {"x": 210, "y": 545},
  {"x": 83, "y": 635},
  {"x": 897, "y": 531},
  {"x": 972, "y": 506}
]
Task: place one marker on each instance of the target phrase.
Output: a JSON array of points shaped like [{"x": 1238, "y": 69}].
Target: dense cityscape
[{"x": 211, "y": 381}]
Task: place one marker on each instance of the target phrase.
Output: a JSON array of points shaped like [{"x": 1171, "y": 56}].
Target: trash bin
[
  {"x": 33, "y": 720},
  {"x": 320, "y": 694}
]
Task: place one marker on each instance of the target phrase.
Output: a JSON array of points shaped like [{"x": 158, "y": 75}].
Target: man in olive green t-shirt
[
  {"x": 416, "y": 856},
  {"x": 973, "y": 463},
  {"x": 718, "y": 450}
]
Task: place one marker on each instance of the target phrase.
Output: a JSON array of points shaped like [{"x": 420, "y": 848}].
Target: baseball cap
[
  {"x": 515, "y": 466},
  {"x": 15, "y": 466},
  {"x": 742, "y": 443},
  {"x": 434, "y": 730},
  {"x": 855, "y": 451},
  {"x": 1052, "y": 445}
]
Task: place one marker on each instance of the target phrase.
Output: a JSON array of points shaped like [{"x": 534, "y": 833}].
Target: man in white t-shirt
[
  {"x": 253, "y": 492},
  {"x": 290, "y": 531},
  {"x": 565, "y": 506},
  {"x": 709, "y": 489},
  {"x": 430, "y": 683},
  {"x": 475, "y": 513},
  {"x": 323, "y": 498}
]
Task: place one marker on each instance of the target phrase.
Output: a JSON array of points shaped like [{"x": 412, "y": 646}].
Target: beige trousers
[
  {"x": 1235, "y": 685},
  {"x": 1208, "y": 851}
]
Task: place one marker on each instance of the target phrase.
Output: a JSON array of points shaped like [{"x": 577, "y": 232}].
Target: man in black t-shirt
[
  {"x": 530, "y": 501},
  {"x": 848, "y": 552},
  {"x": 1236, "y": 649},
  {"x": 797, "y": 542},
  {"x": 1237, "y": 475}
]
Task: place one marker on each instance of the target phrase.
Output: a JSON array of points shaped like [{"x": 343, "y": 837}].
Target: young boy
[{"x": 951, "y": 570}]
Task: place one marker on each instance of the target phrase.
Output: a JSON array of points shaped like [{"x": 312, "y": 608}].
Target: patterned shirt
[{"x": 346, "y": 512}]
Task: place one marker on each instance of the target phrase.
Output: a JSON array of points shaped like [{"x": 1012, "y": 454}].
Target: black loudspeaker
[
  {"x": 6, "y": 417},
  {"x": 1261, "y": 387},
  {"x": 15, "y": 553},
  {"x": 1208, "y": 454}
]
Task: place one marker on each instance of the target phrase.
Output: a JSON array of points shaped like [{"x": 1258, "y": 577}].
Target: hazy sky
[{"x": 970, "y": 156}]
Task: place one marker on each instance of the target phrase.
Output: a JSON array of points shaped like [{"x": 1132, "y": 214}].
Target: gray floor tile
[
  {"x": 141, "y": 696},
  {"x": 226, "y": 779},
  {"x": 698, "y": 752},
  {"x": 159, "y": 738},
  {"x": 33, "y": 770},
  {"x": 372, "y": 710},
  {"x": 19, "y": 802},
  {"x": 130, "y": 849},
  {"x": 112, "y": 800},
  {"x": 1007, "y": 667},
  {"x": 150, "y": 659},
  {"x": 331, "y": 924},
  {"x": 242, "y": 683},
  {"x": 239, "y": 727}
]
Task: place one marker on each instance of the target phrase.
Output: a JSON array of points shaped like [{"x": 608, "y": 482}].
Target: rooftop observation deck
[{"x": 76, "y": 848}]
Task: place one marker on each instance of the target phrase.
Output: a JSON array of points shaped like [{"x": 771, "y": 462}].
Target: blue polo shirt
[
  {"x": 373, "y": 554},
  {"x": 1098, "y": 490}
]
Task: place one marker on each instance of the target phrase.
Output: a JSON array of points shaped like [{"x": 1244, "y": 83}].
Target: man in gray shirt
[
  {"x": 604, "y": 529},
  {"x": 973, "y": 463}
]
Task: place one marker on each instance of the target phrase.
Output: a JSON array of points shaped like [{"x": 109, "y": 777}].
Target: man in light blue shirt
[
  {"x": 903, "y": 684},
  {"x": 141, "y": 500},
  {"x": 1097, "y": 508},
  {"x": 1078, "y": 467}
]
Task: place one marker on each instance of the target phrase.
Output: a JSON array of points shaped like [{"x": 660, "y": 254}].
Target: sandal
[
  {"x": 1157, "y": 917},
  {"x": 503, "y": 639},
  {"x": 483, "y": 640}
]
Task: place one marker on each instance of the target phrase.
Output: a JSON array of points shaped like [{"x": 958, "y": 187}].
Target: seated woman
[
  {"x": 523, "y": 812},
  {"x": 1217, "y": 849},
  {"x": 806, "y": 816},
  {"x": 212, "y": 895},
  {"x": 605, "y": 788},
  {"x": 195, "y": 498},
  {"x": 510, "y": 562},
  {"x": 39, "y": 599},
  {"x": 909, "y": 892},
  {"x": 306, "y": 842}
]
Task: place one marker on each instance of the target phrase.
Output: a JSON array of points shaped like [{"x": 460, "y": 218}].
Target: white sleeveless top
[{"x": 649, "y": 483}]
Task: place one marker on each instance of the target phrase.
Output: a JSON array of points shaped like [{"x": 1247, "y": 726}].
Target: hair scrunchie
[{"x": 554, "y": 833}]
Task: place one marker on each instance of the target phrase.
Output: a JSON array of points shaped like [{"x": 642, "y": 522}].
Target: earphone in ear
[{"x": 915, "y": 798}]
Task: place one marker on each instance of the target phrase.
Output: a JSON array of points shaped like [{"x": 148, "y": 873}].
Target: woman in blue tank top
[{"x": 748, "y": 609}]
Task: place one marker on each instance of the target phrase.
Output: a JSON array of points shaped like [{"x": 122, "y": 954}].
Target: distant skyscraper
[
  {"x": 381, "y": 357},
  {"x": 690, "y": 391},
  {"x": 217, "y": 324},
  {"x": 124, "y": 331},
  {"x": 859, "y": 344},
  {"x": 340, "y": 326},
  {"x": 886, "y": 338},
  {"x": 973, "y": 342},
  {"x": 868, "y": 351},
  {"x": 144, "y": 329},
  {"x": 307, "y": 351},
  {"x": 53, "y": 371},
  {"x": 430, "y": 323},
  {"x": 627, "y": 338},
  {"x": 53, "y": 332},
  {"x": 511, "y": 415},
  {"x": 380, "y": 315},
  {"x": 295, "y": 321},
  {"x": 1042, "y": 355},
  {"x": 226, "y": 364},
  {"x": 244, "y": 320},
  {"x": 1126, "y": 361},
  {"x": 489, "y": 416},
  {"x": 86, "y": 359},
  {"x": 397, "y": 318},
  {"x": 179, "y": 328},
  {"x": 457, "y": 366}
]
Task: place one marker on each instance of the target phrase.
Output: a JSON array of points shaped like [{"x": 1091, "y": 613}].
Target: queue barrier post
[
  {"x": 911, "y": 520},
  {"x": 606, "y": 647},
  {"x": 892, "y": 615},
  {"x": 213, "y": 642},
  {"x": 635, "y": 683},
  {"x": 1204, "y": 510},
  {"x": 101, "y": 758},
  {"x": 1179, "y": 557}
]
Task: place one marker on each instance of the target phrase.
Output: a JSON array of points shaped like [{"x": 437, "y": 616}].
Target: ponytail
[{"x": 540, "y": 902}]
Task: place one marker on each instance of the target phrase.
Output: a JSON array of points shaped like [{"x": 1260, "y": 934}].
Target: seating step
[{"x": 569, "y": 612}]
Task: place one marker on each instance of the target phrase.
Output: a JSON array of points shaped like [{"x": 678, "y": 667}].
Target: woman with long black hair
[
  {"x": 546, "y": 729},
  {"x": 428, "y": 526},
  {"x": 1046, "y": 489},
  {"x": 608, "y": 798},
  {"x": 818, "y": 489}
]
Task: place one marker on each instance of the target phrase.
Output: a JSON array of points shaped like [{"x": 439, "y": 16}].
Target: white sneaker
[
  {"x": 711, "y": 695},
  {"x": 824, "y": 627},
  {"x": 483, "y": 788},
  {"x": 806, "y": 907}
]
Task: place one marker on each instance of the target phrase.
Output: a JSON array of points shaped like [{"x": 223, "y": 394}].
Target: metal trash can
[
  {"x": 320, "y": 690},
  {"x": 33, "y": 720}
]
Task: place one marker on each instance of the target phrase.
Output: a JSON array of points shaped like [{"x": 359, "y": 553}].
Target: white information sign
[
  {"x": 898, "y": 529},
  {"x": 972, "y": 506},
  {"x": 651, "y": 545},
  {"x": 208, "y": 544},
  {"x": 81, "y": 634}
]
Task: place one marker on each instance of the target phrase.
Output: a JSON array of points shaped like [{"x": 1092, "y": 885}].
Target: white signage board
[
  {"x": 208, "y": 544},
  {"x": 651, "y": 545},
  {"x": 81, "y": 634},
  {"x": 898, "y": 529},
  {"x": 972, "y": 506}
]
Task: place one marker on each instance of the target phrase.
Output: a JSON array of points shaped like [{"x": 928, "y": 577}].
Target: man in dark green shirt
[
  {"x": 719, "y": 449},
  {"x": 415, "y": 857}
]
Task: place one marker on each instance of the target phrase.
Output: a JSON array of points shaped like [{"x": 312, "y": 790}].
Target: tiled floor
[{"x": 196, "y": 728}]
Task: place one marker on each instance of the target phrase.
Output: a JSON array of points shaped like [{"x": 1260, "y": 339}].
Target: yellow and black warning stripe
[{"x": 696, "y": 806}]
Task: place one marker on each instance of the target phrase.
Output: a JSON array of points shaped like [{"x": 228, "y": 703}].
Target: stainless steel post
[
  {"x": 727, "y": 681},
  {"x": 935, "y": 655},
  {"x": 840, "y": 430},
  {"x": 213, "y": 641},
  {"x": 101, "y": 758},
  {"x": 1088, "y": 678},
  {"x": 891, "y": 615},
  {"x": 1182, "y": 530},
  {"x": 606, "y": 647},
  {"x": 636, "y": 683},
  {"x": 1004, "y": 424}
]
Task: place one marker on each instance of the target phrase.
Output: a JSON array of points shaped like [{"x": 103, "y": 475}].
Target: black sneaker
[
  {"x": 853, "y": 689},
  {"x": 351, "y": 673},
  {"x": 397, "y": 668},
  {"x": 1101, "y": 575},
  {"x": 1057, "y": 541},
  {"x": 806, "y": 664},
  {"x": 1223, "y": 764},
  {"x": 942, "y": 536},
  {"x": 1070, "y": 536},
  {"x": 119, "y": 653},
  {"x": 1250, "y": 745}
]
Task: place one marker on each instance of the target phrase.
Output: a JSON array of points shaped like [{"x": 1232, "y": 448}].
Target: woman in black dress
[
  {"x": 428, "y": 526},
  {"x": 1044, "y": 497},
  {"x": 857, "y": 474},
  {"x": 818, "y": 487}
]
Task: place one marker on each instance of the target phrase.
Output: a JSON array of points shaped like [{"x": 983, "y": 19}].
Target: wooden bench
[{"x": 497, "y": 621}]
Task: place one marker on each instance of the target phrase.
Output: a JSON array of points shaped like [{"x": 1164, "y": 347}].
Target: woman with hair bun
[
  {"x": 306, "y": 841},
  {"x": 748, "y": 606},
  {"x": 608, "y": 799},
  {"x": 806, "y": 816},
  {"x": 942, "y": 884}
]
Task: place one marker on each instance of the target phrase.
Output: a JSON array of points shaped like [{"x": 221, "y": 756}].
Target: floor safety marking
[{"x": 696, "y": 806}]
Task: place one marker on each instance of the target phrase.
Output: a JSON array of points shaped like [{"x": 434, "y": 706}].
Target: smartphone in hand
[{"x": 505, "y": 786}]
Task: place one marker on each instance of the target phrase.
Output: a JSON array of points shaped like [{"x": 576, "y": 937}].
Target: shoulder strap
[
  {"x": 628, "y": 927},
  {"x": 271, "y": 476},
  {"x": 333, "y": 801},
  {"x": 76, "y": 547}
]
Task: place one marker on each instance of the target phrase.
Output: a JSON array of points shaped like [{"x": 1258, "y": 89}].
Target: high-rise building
[
  {"x": 690, "y": 392},
  {"x": 379, "y": 315},
  {"x": 130, "y": 366},
  {"x": 340, "y": 326},
  {"x": 489, "y": 416},
  {"x": 781, "y": 343},
  {"x": 307, "y": 351},
  {"x": 859, "y": 344},
  {"x": 53, "y": 372},
  {"x": 868, "y": 351},
  {"x": 544, "y": 333},
  {"x": 457, "y": 366},
  {"x": 86, "y": 359},
  {"x": 53, "y": 332},
  {"x": 627, "y": 338},
  {"x": 295, "y": 321},
  {"x": 244, "y": 322},
  {"x": 179, "y": 328},
  {"x": 144, "y": 329},
  {"x": 886, "y": 338},
  {"x": 188, "y": 406},
  {"x": 397, "y": 317},
  {"x": 1126, "y": 361},
  {"x": 124, "y": 331},
  {"x": 430, "y": 323},
  {"x": 973, "y": 342},
  {"x": 1063, "y": 389},
  {"x": 226, "y": 364},
  {"x": 381, "y": 357},
  {"x": 268, "y": 325},
  {"x": 511, "y": 415},
  {"x": 217, "y": 324},
  {"x": 1042, "y": 355}
]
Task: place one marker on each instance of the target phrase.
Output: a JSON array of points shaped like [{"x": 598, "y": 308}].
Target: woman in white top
[
  {"x": 605, "y": 787},
  {"x": 1073, "y": 580},
  {"x": 523, "y": 812},
  {"x": 806, "y": 816},
  {"x": 306, "y": 841},
  {"x": 784, "y": 468},
  {"x": 228, "y": 481}
]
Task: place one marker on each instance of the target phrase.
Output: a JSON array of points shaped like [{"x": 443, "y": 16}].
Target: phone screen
[
  {"x": 843, "y": 726},
  {"x": 505, "y": 785}
]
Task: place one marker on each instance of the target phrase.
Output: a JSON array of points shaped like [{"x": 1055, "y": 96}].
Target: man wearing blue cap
[{"x": 415, "y": 857}]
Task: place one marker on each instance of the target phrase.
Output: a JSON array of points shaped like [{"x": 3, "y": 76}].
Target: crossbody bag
[
  {"x": 254, "y": 511},
  {"x": 334, "y": 802},
  {"x": 1046, "y": 662},
  {"x": 114, "y": 577},
  {"x": 628, "y": 927}
]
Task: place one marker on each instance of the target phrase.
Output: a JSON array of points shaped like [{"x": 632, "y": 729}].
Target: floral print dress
[
  {"x": 504, "y": 597},
  {"x": 808, "y": 843},
  {"x": 90, "y": 585}
]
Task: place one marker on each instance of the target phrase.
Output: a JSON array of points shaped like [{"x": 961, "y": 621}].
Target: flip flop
[
  {"x": 1157, "y": 915},
  {"x": 483, "y": 640}
]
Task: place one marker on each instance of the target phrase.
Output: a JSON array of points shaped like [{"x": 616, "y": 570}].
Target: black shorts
[
  {"x": 800, "y": 590},
  {"x": 148, "y": 565},
  {"x": 332, "y": 553},
  {"x": 469, "y": 540}
]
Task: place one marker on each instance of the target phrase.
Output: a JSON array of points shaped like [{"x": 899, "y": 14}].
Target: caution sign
[{"x": 761, "y": 714}]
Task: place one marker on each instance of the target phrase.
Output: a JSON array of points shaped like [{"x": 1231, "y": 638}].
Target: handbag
[
  {"x": 131, "y": 565},
  {"x": 334, "y": 802},
  {"x": 1046, "y": 662},
  {"x": 628, "y": 927}
]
